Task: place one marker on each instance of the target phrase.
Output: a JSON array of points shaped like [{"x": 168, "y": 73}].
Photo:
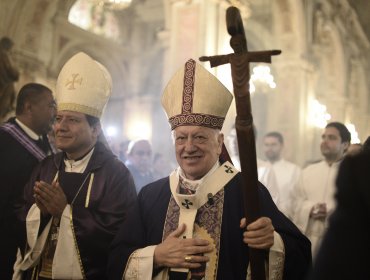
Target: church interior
[{"x": 320, "y": 76}]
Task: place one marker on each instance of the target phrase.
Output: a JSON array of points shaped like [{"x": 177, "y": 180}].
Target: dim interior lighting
[
  {"x": 318, "y": 116},
  {"x": 261, "y": 77},
  {"x": 111, "y": 131},
  {"x": 354, "y": 134}
]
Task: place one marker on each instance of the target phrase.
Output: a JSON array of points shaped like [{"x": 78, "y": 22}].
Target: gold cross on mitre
[{"x": 71, "y": 83}]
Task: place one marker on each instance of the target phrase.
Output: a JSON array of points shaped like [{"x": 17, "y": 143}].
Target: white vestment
[
  {"x": 140, "y": 264},
  {"x": 316, "y": 185},
  {"x": 286, "y": 175}
]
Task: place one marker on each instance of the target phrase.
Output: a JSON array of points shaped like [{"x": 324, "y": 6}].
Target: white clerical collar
[
  {"x": 28, "y": 130},
  {"x": 78, "y": 166},
  {"x": 196, "y": 183}
]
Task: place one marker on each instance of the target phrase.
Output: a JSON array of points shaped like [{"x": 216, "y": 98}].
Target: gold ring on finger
[{"x": 188, "y": 258}]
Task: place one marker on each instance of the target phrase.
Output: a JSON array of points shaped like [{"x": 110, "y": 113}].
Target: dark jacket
[
  {"x": 16, "y": 166},
  {"x": 112, "y": 194}
]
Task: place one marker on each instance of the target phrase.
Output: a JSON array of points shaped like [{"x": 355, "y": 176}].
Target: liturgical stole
[{"x": 201, "y": 212}]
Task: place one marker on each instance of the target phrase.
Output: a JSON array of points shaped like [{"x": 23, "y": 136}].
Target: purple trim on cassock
[{"x": 19, "y": 135}]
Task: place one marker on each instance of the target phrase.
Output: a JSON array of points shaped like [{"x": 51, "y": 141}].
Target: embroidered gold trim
[
  {"x": 76, "y": 245},
  {"x": 211, "y": 267},
  {"x": 132, "y": 267},
  {"x": 33, "y": 272},
  {"x": 89, "y": 190},
  {"x": 80, "y": 108},
  {"x": 56, "y": 176},
  {"x": 196, "y": 119}
]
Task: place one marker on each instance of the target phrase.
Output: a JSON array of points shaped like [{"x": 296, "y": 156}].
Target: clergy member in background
[
  {"x": 139, "y": 162},
  {"x": 347, "y": 240},
  {"x": 23, "y": 144},
  {"x": 313, "y": 196},
  {"x": 75, "y": 200},
  {"x": 286, "y": 173},
  {"x": 191, "y": 223}
]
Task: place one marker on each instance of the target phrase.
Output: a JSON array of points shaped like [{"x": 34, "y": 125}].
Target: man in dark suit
[
  {"x": 23, "y": 143},
  {"x": 344, "y": 253}
]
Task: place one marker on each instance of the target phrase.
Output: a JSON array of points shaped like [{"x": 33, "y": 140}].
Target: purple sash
[{"x": 19, "y": 135}]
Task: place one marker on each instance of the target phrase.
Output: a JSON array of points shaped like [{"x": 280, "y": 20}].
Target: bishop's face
[
  {"x": 73, "y": 134},
  {"x": 197, "y": 149}
]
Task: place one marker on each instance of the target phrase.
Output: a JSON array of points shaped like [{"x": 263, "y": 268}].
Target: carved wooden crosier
[{"x": 239, "y": 61}]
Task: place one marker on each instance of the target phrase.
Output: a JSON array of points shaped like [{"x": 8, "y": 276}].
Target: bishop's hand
[
  {"x": 259, "y": 234},
  {"x": 50, "y": 198},
  {"x": 177, "y": 252}
]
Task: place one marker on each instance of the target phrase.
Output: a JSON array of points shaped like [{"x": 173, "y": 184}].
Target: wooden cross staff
[{"x": 239, "y": 61}]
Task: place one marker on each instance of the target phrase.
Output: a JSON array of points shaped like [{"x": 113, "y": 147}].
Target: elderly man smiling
[{"x": 190, "y": 225}]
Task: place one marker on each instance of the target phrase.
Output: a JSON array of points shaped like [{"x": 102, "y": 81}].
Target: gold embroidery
[
  {"x": 89, "y": 191},
  {"x": 46, "y": 261},
  {"x": 71, "y": 83},
  {"x": 56, "y": 177},
  {"x": 132, "y": 267},
  {"x": 76, "y": 244},
  {"x": 211, "y": 268},
  {"x": 34, "y": 272},
  {"x": 207, "y": 224},
  {"x": 80, "y": 108}
]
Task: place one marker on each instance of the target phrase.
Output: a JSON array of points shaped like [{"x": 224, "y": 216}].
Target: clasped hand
[
  {"x": 319, "y": 211},
  {"x": 50, "y": 199},
  {"x": 189, "y": 253},
  {"x": 173, "y": 250}
]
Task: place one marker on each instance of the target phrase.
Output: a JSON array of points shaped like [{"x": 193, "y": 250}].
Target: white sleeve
[
  {"x": 274, "y": 267},
  {"x": 140, "y": 264},
  {"x": 35, "y": 243}
]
